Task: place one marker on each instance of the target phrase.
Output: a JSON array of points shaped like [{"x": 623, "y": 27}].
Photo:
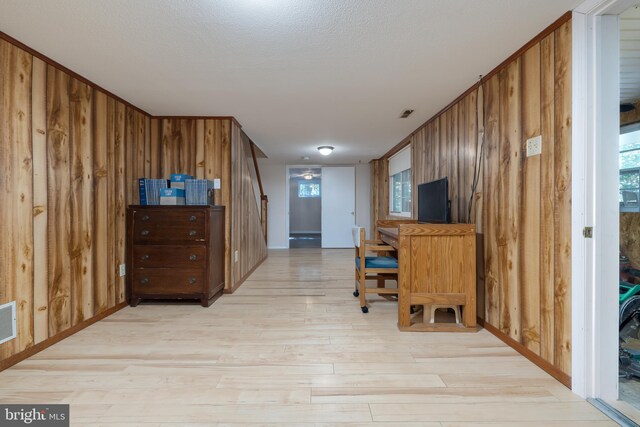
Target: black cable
[{"x": 477, "y": 170}]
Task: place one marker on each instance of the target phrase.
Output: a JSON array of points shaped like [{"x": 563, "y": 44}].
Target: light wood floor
[{"x": 289, "y": 348}]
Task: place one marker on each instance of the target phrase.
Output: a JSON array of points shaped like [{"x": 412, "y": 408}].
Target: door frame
[{"x": 596, "y": 122}]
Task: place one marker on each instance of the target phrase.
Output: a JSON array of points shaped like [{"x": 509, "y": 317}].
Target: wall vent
[
  {"x": 7, "y": 321},
  {"x": 406, "y": 113}
]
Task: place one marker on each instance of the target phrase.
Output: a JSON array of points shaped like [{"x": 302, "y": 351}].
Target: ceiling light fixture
[
  {"x": 308, "y": 175},
  {"x": 325, "y": 150}
]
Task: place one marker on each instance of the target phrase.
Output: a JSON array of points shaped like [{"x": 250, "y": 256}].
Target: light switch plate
[
  {"x": 534, "y": 146},
  {"x": 216, "y": 184},
  {"x": 123, "y": 270}
]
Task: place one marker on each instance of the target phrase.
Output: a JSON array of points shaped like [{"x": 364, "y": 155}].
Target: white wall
[
  {"x": 363, "y": 197},
  {"x": 274, "y": 181}
]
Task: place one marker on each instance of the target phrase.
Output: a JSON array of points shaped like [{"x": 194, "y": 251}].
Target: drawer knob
[
  {"x": 144, "y": 257},
  {"x": 144, "y": 280},
  {"x": 193, "y": 233},
  {"x": 192, "y": 218},
  {"x": 145, "y": 218},
  {"x": 145, "y": 232},
  {"x": 192, "y": 281},
  {"x": 193, "y": 258}
]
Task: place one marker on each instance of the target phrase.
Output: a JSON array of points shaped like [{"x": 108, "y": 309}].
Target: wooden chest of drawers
[{"x": 175, "y": 252}]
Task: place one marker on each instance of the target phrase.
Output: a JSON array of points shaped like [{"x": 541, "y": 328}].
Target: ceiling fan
[{"x": 306, "y": 175}]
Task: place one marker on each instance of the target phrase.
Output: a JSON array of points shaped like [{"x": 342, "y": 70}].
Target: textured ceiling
[{"x": 296, "y": 73}]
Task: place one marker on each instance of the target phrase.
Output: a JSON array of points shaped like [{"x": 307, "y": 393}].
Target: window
[
  {"x": 401, "y": 192},
  {"x": 309, "y": 189},
  {"x": 400, "y": 183},
  {"x": 629, "y": 189}
]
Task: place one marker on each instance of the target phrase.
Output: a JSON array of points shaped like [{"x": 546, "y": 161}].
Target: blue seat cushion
[{"x": 378, "y": 262}]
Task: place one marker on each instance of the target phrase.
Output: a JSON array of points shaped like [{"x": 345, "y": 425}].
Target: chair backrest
[{"x": 357, "y": 235}]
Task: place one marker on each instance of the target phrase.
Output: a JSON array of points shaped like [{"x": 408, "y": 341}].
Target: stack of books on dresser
[{"x": 180, "y": 189}]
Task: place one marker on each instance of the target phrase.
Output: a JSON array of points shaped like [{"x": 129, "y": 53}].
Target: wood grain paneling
[
  {"x": 63, "y": 189},
  {"x": 40, "y": 213},
  {"x": 524, "y": 216},
  {"x": 16, "y": 268},
  {"x": 246, "y": 230},
  {"x": 213, "y": 148},
  {"x": 529, "y": 242},
  {"x": 81, "y": 201},
  {"x": 509, "y": 191},
  {"x": 562, "y": 213},
  {"x": 547, "y": 199},
  {"x": 70, "y": 157},
  {"x": 59, "y": 227}
]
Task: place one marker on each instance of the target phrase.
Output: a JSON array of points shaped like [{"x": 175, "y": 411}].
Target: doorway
[
  {"x": 305, "y": 208},
  {"x": 601, "y": 193}
]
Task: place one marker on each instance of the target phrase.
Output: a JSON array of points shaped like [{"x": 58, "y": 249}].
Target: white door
[{"x": 338, "y": 191}]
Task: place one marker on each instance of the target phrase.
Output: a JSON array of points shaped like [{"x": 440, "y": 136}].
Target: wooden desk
[{"x": 437, "y": 265}]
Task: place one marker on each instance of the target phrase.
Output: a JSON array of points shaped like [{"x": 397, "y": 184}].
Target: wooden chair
[{"x": 381, "y": 268}]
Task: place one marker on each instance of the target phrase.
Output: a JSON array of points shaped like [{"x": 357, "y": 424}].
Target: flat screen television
[{"x": 433, "y": 201}]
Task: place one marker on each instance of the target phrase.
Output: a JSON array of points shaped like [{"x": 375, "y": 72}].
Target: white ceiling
[
  {"x": 296, "y": 73},
  {"x": 630, "y": 55}
]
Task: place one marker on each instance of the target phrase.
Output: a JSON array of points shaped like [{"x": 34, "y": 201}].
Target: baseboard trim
[
  {"x": 28, "y": 352},
  {"x": 539, "y": 361},
  {"x": 246, "y": 276}
]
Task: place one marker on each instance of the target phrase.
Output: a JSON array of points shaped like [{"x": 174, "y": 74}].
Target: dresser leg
[
  {"x": 205, "y": 302},
  {"x": 134, "y": 301}
]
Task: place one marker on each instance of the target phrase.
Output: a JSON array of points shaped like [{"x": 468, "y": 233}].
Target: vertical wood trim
[
  {"x": 200, "y": 150},
  {"x": 6, "y": 292},
  {"x": 562, "y": 158},
  {"x": 156, "y": 149},
  {"x": 120, "y": 197},
  {"x": 224, "y": 136},
  {"x": 130, "y": 165},
  {"x": 40, "y": 214},
  {"x": 147, "y": 147},
  {"x": 529, "y": 261},
  {"x": 100, "y": 207},
  {"x": 491, "y": 183},
  {"x": 112, "y": 173},
  {"x": 548, "y": 197},
  {"x": 17, "y": 65},
  {"x": 510, "y": 186},
  {"x": 81, "y": 202},
  {"x": 59, "y": 228}
]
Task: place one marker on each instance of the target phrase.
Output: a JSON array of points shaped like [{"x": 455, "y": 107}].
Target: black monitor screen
[{"x": 433, "y": 201}]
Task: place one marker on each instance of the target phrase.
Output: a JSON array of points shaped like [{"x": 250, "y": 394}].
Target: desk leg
[{"x": 404, "y": 282}]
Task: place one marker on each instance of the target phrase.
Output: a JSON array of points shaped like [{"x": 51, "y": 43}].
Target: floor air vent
[{"x": 7, "y": 321}]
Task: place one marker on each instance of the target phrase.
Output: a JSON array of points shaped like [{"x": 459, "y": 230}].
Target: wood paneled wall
[
  {"x": 63, "y": 191},
  {"x": 246, "y": 233},
  {"x": 214, "y": 148},
  {"x": 70, "y": 157},
  {"x": 522, "y": 207}
]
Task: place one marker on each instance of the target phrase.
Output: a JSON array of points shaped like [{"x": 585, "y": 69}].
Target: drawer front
[
  {"x": 166, "y": 225},
  {"x": 159, "y": 281},
  {"x": 169, "y": 256}
]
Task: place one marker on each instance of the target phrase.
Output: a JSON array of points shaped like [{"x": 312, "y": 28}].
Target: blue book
[
  {"x": 142, "y": 190},
  {"x": 171, "y": 192}
]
